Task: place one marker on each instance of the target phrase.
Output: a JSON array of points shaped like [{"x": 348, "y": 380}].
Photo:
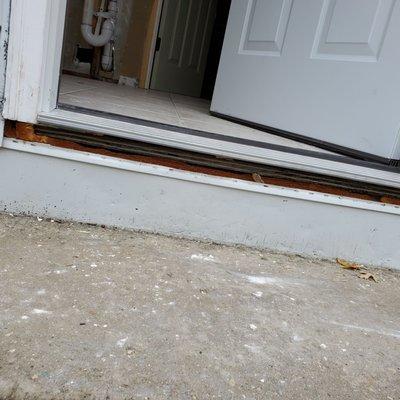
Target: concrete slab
[{"x": 94, "y": 313}]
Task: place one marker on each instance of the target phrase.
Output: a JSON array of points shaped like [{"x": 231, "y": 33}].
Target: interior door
[
  {"x": 328, "y": 70},
  {"x": 4, "y": 23},
  {"x": 184, "y": 37}
]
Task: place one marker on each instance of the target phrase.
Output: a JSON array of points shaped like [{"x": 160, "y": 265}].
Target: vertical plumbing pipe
[
  {"x": 107, "y": 56},
  {"x": 87, "y": 29}
]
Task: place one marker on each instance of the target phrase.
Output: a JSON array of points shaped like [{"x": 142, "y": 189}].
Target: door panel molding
[
  {"x": 261, "y": 36},
  {"x": 339, "y": 38}
]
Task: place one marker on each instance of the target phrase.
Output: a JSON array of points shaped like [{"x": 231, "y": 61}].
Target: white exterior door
[
  {"x": 4, "y": 23},
  {"x": 185, "y": 33},
  {"x": 328, "y": 70}
]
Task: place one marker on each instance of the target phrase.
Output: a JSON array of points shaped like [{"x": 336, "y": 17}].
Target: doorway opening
[
  {"x": 164, "y": 61},
  {"x": 165, "y": 45},
  {"x": 159, "y": 67}
]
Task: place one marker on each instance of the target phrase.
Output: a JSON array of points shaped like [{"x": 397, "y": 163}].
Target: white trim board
[
  {"x": 4, "y": 29},
  {"x": 159, "y": 170},
  {"x": 71, "y": 185},
  {"x": 92, "y": 123},
  {"x": 34, "y": 58}
]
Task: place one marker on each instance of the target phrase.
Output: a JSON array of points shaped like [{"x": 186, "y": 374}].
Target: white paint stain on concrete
[
  {"x": 379, "y": 331},
  {"x": 262, "y": 280},
  {"x": 203, "y": 257},
  {"x": 253, "y": 348},
  {"x": 270, "y": 280},
  {"x": 39, "y": 311},
  {"x": 121, "y": 342}
]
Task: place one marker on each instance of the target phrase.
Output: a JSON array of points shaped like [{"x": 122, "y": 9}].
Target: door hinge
[{"x": 158, "y": 43}]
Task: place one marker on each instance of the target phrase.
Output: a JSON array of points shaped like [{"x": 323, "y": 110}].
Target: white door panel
[
  {"x": 185, "y": 33},
  {"x": 324, "y": 69},
  {"x": 4, "y": 22}
]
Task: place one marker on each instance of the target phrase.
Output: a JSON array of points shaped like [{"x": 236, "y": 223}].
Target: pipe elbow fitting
[{"x": 98, "y": 40}]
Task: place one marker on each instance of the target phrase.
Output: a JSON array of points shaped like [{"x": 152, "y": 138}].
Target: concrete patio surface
[{"x": 93, "y": 313}]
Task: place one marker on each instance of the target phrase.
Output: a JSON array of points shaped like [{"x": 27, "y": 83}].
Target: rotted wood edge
[{"x": 193, "y": 162}]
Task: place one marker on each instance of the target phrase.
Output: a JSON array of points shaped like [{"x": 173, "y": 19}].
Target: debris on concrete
[
  {"x": 368, "y": 276},
  {"x": 97, "y": 313},
  {"x": 348, "y": 265}
]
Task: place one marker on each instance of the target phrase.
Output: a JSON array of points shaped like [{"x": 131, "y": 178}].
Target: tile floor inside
[{"x": 167, "y": 108}]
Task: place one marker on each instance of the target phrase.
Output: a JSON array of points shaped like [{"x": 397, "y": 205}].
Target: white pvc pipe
[
  {"x": 112, "y": 6},
  {"x": 87, "y": 29},
  {"x": 107, "y": 57}
]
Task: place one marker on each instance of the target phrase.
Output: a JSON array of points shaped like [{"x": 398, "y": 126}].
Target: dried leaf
[
  {"x": 348, "y": 265},
  {"x": 367, "y": 276},
  {"x": 257, "y": 177}
]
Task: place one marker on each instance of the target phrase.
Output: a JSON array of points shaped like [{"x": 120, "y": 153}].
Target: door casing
[
  {"x": 4, "y": 28},
  {"x": 31, "y": 96}
]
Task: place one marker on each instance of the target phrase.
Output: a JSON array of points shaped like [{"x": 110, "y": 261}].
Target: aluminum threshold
[{"x": 224, "y": 146}]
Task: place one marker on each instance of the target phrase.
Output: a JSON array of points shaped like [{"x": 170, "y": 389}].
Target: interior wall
[
  {"x": 123, "y": 46},
  {"x": 137, "y": 49},
  {"x": 130, "y": 33},
  {"x": 72, "y": 35}
]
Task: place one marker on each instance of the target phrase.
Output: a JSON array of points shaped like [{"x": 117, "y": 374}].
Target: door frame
[
  {"x": 152, "y": 38},
  {"x": 31, "y": 96},
  {"x": 4, "y": 29},
  {"x": 33, "y": 89}
]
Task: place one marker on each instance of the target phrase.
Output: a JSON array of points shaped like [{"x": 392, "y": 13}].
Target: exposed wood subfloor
[{"x": 200, "y": 163}]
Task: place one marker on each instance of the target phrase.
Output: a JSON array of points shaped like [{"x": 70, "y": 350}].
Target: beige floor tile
[{"x": 162, "y": 107}]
